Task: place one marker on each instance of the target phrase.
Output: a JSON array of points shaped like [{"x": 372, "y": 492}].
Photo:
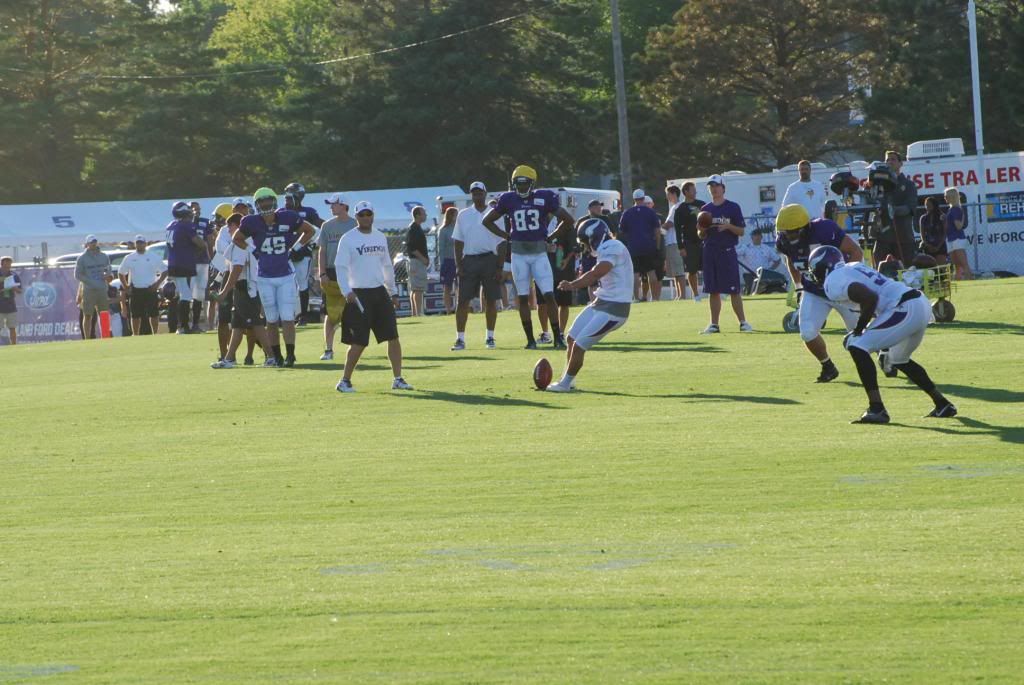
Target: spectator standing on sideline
[
  {"x": 956, "y": 239},
  {"x": 932, "y": 226},
  {"x": 367, "y": 279},
  {"x": 183, "y": 243},
  {"x": 690, "y": 244},
  {"x": 201, "y": 281},
  {"x": 331, "y": 233},
  {"x": 674, "y": 267},
  {"x": 446, "y": 256},
  {"x": 294, "y": 194},
  {"x": 807, "y": 192},
  {"x": 479, "y": 259},
  {"x": 141, "y": 274},
  {"x": 659, "y": 258},
  {"x": 642, "y": 229},
  {"x": 92, "y": 271},
  {"x": 10, "y": 285},
  {"x": 756, "y": 256},
  {"x": 721, "y": 267},
  {"x": 595, "y": 212},
  {"x": 417, "y": 252},
  {"x": 898, "y": 239},
  {"x": 563, "y": 267}
]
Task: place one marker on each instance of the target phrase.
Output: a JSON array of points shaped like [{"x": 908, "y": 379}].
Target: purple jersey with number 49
[
  {"x": 273, "y": 242},
  {"x": 530, "y": 216}
]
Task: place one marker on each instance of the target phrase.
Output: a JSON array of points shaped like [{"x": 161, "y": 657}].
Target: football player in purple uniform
[
  {"x": 529, "y": 212},
  {"x": 294, "y": 193},
  {"x": 721, "y": 266},
  {"x": 795, "y": 238},
  {"x": 201, "y": 281},
  {"x": 182, "y": 245},
  {"x": 893, "y": 317},
  {"x": 279, "y": 236}
]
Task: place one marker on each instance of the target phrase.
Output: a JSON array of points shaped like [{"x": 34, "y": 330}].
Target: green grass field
[{"x": 701, "y": 512}]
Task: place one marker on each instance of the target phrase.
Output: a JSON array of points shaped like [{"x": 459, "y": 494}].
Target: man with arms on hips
[
  {"x": 640, "y": 228},
  {"x": 892, "y": 317},
  {"x": 721, "y": 267},
  {"x": 10, "y": 285},
  {"x": 418, "y": 259},
  {"x": 279, "y": 236},
  {"x": 613, "y": 275},
  {"x": 331, "y": 232},
  {"x": 92, "y": 271},
  {"x": 183, "y": 244},
  {"x": 797, "y": 236},
  {"x": 690, "y": 244},
  {"x": 294, "y": 194},
  {"x": 530, "y": 211},
  {"x": 366, "y": 277},
  {"x": 674, "y": 267},
  {"x": 479, "y": 256},
  {"x": 807, "y": 192},
  {"x": 142, "y": 274},
  {"x": 201, "y": 281},
  {"x": 242, "y": 290}
]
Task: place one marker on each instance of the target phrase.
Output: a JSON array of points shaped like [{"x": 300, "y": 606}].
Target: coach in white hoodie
[{"x": 367, "y": 280}]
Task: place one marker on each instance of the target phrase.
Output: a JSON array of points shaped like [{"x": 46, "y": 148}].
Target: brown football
[
  {"x": 704, "y": 219},
  {"x": 924, "y": 261},
  {"x": 542, "y": 374}
]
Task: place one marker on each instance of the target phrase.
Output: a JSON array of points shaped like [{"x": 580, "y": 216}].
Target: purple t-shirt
[
  {"x": 952, "y": 215},
  {"x": 181, "y": 250},
  {"x": 273, "y": 242},
  {"x": 726, "y": 213},
  {"x": 204, "y": 229},
  {"x": 819, "y": 232},
  {"x": 639, "y": 227},
  {"x": 529, "y": 217}
]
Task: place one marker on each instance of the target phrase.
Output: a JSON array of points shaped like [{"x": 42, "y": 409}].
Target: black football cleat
[
  {"x": 828, "y": 373},
  {"x": 289, "y": 361},
  {"x": 946, "y": 411},
  {"x": 877, "y": 417},
  {"x": 559, "y": 343},
  {"x": 532, "y": 345}
]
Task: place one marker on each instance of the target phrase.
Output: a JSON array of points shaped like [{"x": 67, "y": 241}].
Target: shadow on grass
[
  {"x": 659, "y": 347},
  {"x": 455, "y": 356},
  {"x": 338, "y": 367},
  {"x": 1013, "y": 434},
  {"x": 477, "y": 400},
  {"x": 702, "y": 397},
  {"x": 996, "y": 395},
  {"x": 982, "y": 327}
]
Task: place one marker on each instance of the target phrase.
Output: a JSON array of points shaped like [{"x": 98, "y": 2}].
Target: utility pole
[
  {"x": 979, "y": 136},
  {"x": 625, "y": 172}
]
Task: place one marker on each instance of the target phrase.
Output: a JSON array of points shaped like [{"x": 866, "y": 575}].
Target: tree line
[{"x": 125, "y": 99}]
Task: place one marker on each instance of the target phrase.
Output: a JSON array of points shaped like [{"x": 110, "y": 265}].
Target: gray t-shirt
[
  {"x": 445, "y": 243},
  {"x": 91, "y": 268},
  {"x": 330, "y": 235}
]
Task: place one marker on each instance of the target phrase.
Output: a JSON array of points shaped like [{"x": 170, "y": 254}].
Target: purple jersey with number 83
[{"x": 529, "y": 217}]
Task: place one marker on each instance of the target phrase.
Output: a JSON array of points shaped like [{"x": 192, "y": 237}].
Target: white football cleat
[
  {"x": 327, "y": 356},
  {"x": 558, "y": 387},
  {"x": 223, "y": 364},
  {"x": 344, "y": 386},
  {"x": 746, "y": 328},
  {"x": 712, "y": 328},
  {"x": 400, "y": 384},
  {"x": 544, "y": 339}
]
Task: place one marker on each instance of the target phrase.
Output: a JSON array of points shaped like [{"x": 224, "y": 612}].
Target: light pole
[
  {"x": 979, "y": 137},
  {"x": 625, "y": 173}
]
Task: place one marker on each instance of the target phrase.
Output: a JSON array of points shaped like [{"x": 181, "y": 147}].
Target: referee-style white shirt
[
  {"x": 470, "y": 229},
  {"x": 363, "y": 261},
  {"x": 141, "y": 270}
]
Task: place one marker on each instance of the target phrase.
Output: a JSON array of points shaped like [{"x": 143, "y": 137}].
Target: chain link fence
[{"x": 995, "y": 237}]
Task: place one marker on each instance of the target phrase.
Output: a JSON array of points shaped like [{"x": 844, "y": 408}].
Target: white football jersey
[
  {"x": 837, "y": 286},
  {"x": 617, "y": 284}
]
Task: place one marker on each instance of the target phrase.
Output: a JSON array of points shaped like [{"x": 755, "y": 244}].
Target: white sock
[
  {"x": 567, "y": 380},
  {"x": 460, "y": 336},
  {"x": 490, "y": 334}
]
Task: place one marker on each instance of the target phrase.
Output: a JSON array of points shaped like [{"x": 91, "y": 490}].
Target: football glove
[{"x": 300, "y": 254}]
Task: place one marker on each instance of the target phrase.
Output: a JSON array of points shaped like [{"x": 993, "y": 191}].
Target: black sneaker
[
  {"x": 869, "y": 416},
  {"x": 248, "y": 361},
  {"x": 532, "y": 345},
  {"x": 289, "y": 361},
  {"x": 946, "y": 411},
  {"x": 829, "y": 372},
  {"x": 559, "y": 343}
]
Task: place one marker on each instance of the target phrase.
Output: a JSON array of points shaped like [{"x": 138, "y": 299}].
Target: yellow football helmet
[
  {"x": 792, "y": 218},
  {"x": 523, "y": 179},
  {"x": 223, "y": 211}
]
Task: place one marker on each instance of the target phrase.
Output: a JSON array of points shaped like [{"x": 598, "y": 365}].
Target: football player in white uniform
[
  {"x": 893, "y": 317},
  {"x": 613, "y": 275}
]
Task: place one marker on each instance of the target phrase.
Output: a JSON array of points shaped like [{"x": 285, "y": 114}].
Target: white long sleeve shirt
[{"x": 363, "y": 261}]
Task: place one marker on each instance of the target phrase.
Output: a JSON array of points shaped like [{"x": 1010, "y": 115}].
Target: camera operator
[{"x": 899, "y": 239}]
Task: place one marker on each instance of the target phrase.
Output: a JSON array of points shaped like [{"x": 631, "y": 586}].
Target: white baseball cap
[
  {"x": 140, "y": 239},
  {"x": 477, "y": 185},
  {"x": 239, "y": 201},
  {"x": 716, "y": 178},
  {"x": 639, "y": 194},
  {"x": 648, "y": 200},
  {"x": 90, "y": 239},
  {"x": 363, "y": 206},
  {"x": 336, "y": 199}
]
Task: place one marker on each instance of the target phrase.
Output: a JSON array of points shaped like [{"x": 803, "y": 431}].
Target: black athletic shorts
[
  {"x": 373, "y": 311},
  {"x": 642, "y": 263},
  {"x": 181, "y": 271},
  {"x": 246, "y": 311},
  {"x": 693, "y": 262},
  {"x": 143, "y": 303},
  {"x": 224, "y": 308},
  {"x": 479, "y": 270}
]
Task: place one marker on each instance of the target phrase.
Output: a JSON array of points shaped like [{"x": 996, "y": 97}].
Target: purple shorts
[
  {"x": 448, "y": 272},
  {"x": 721, "y": 270}
]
